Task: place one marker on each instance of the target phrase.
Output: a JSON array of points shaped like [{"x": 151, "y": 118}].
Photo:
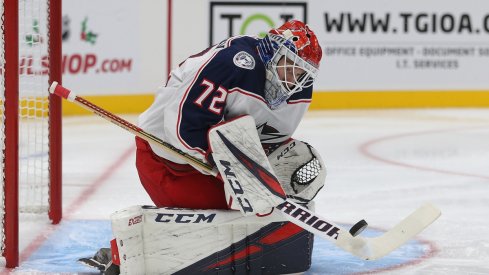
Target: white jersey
[{"x": 221, "y": 83}]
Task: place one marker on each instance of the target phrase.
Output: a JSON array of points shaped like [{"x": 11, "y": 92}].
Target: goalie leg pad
[
  {"x": 248, "y": 177},
  {"x": 127, "y": 228},
  {"x": 186, "y": 241}
]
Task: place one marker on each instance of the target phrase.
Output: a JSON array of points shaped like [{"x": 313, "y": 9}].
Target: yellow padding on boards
[
  {"x": 127, "y": 104},
  {"x": 33, "y": 107},
  {"x": 398, "y": 99},
  {"x": 120, "y": 104}
]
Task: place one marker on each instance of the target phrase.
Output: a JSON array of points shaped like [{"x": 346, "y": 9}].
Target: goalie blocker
[{"x": 255, "y": 183}]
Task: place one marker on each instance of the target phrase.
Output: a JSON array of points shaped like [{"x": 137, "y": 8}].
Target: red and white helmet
[{"x": 297, "y": 44}]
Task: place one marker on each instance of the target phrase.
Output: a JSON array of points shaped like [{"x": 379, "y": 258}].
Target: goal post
[
  {"x": 10, "y": 110},
  {"x": 30, "y": 130},
  {"x": 55, "y": 137}
]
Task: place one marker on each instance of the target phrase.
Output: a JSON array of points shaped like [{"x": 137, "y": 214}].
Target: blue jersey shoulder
[{"x": 239, "y": 66}]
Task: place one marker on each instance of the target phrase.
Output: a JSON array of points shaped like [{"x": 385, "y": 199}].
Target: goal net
[{"x": 30, "y": 119}]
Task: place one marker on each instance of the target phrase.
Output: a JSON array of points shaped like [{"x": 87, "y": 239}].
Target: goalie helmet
[{"x": 291, "y": 55}]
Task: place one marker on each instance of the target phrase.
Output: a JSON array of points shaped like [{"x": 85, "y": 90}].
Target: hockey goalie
[{"x": 235, "y": 106}]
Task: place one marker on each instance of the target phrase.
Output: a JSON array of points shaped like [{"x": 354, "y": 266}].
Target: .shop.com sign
[{"x": 253, "y": 18}]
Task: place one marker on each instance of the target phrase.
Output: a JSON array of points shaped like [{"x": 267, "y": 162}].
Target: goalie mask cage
[{"x": 30, "y": 133}]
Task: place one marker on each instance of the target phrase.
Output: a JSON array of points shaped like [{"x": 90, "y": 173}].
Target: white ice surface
[{"x": 382, "y": 164}]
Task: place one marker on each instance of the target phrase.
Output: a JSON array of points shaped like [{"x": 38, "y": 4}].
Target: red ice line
[{"x": 364, "y": 149}]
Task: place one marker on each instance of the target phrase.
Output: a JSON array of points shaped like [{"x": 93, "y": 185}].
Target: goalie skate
[{"x": 102, "y": 260}]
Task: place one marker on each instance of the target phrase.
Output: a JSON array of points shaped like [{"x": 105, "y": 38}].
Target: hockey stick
[{"x": 362, "y": 247}]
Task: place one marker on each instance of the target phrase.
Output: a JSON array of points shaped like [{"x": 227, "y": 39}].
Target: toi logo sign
[{"x": 252, "y": 18}]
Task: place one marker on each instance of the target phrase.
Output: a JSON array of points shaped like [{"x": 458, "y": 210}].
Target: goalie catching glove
[{"x": 300, "y": 170}]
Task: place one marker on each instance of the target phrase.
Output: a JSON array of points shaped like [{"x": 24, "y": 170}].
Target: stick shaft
[{"x": 70, "y": 96}]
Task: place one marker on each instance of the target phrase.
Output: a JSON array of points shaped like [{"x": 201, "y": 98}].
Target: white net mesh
[
  {"x": 33, "y": 118},
  {"x": 33, "y": 106}
]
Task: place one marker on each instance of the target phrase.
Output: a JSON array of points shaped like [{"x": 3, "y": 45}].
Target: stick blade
[{"x": 403, "y": 231}]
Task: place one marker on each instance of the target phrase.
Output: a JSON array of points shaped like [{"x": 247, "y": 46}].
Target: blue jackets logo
[{"x": 244, "y": 60}]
